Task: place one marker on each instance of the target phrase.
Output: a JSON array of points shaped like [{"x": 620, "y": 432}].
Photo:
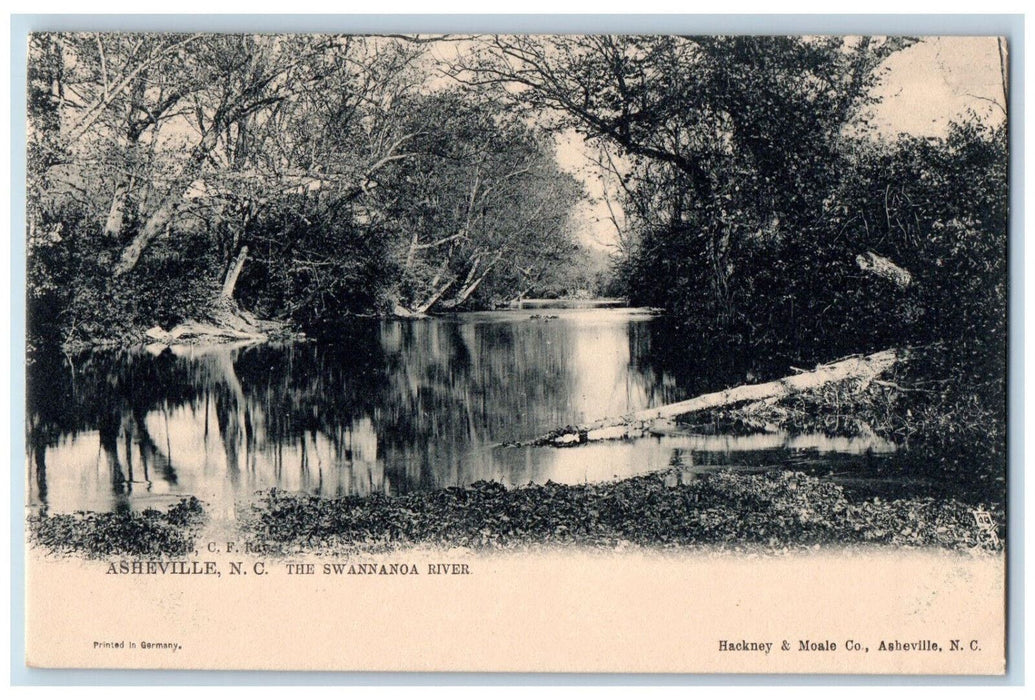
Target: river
[{"x": 394, "y": 406}]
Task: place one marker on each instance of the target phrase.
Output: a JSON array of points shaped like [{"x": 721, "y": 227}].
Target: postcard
[{"x": 565, "y": 353}]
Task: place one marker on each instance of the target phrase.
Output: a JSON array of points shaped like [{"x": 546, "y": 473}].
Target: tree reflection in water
[{"x": 377, "y": 406}]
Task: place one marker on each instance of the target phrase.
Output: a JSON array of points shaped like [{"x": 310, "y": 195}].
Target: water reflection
[{"x": 384, "y": 406}]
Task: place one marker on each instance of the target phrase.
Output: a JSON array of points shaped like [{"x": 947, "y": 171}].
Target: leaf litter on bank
[
  {"x": 722, "y": 510},
  {"x": 93, "y": 534}
]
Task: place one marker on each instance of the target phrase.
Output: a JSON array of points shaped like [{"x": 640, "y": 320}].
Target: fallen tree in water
[{"x": 861, "y": 368}]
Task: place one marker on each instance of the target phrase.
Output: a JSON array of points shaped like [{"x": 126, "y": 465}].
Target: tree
[
  {"x": 150, "y": 146},
  {"x": 732, "y": 143},
  {"x": 483, "y": 189},
  {"x": 325, "y": 144},
  {"x": 247, "y": 77}
]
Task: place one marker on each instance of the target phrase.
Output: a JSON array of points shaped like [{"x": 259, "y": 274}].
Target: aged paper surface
[
  {"x": 377, "y": 354},
  {"x": 552, "y": 611}
]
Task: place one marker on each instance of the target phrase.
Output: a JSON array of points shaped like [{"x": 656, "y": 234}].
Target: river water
[{"x": 396, "y": 406}]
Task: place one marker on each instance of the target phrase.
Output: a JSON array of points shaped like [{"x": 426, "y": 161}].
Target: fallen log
[{"x": 862, "y": 368}]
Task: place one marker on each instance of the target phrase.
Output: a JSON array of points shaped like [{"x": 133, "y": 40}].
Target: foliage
[
  {"x": 150, "y": 532},
  {"x": 936, "y": 208},
  {"x": 480, "y": 207},
  {"x": 750, "y": 182},
  {"x": 83, "y": 304},
  {"x": 306, "y": 177},
  {"x": 949, "y": 430},
  {"x": 722, "y": 510},
  {"x": 331, "y": 269},
  {"x": 343, "y": 183}
]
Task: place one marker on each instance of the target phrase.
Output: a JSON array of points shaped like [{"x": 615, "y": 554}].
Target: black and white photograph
[{"x": 346, "y": 309}]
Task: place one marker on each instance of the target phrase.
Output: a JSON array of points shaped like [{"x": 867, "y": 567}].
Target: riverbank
[
  {"x": 769, "y": 512},
  {"x": 91, "y": 534},
  {"x": 724, "y": 511},
  {"x": 222, "y": 322}
]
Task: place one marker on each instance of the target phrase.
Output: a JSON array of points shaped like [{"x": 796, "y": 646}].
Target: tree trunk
[
  {"x": 433, "y": 299},
  {"x": 161, "y": 217},
  {"x": 113, "y": 224},
  {"x": 155, "y": 225},
  {"x": 134, "y": 130},
  {"x": 516, "y": 300},
  {"x": 471, "y": 286},
  {"x": 411, "y": 252},
  {"x": 230, "y": 281},
  {"x": 437, "y": 294}
]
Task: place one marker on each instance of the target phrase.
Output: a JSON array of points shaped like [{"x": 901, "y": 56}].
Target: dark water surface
[{"x": 396, "y": 406}]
